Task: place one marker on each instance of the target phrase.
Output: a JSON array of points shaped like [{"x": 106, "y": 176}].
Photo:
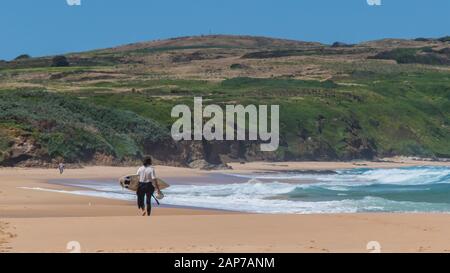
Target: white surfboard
[{"x": 131, "y": 182}]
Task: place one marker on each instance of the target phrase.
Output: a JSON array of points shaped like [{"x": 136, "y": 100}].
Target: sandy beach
[{"x": 40, "y": 221}]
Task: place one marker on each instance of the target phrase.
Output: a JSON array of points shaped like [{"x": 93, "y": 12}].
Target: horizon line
[{"x": 222, "y": 34}]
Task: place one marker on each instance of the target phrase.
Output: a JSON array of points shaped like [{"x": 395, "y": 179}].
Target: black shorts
[{"x": 145, "y": 191}]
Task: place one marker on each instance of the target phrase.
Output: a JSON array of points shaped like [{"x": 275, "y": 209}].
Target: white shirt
[{"x": 146, "y": 174}]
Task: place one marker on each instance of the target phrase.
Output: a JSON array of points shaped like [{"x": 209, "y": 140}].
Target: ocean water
[{"x": 410, "y": 189}]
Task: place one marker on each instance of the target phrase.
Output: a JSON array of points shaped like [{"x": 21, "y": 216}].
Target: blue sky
[{"x": 46, "y": 27}]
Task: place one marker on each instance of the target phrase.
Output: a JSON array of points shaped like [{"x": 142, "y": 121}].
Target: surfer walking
[
  {"x": 61, "y": 168},
  {"x": 146, "y": 188}
]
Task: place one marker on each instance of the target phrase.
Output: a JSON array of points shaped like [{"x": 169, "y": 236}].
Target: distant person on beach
[
  {"x": 147, "y": 184},
  {"x": 61, "y": 168}
]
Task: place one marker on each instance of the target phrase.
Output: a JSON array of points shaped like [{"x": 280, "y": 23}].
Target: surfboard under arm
[{"x": 131, "y": 182}]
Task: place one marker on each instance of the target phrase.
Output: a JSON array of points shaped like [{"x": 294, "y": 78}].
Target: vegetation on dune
[{"x": 66, "y": 127}]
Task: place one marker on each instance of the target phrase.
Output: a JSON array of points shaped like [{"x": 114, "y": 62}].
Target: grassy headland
[{"x": 111, "y": 106}]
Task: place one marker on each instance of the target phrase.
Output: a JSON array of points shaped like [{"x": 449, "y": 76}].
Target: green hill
[{"x": 111, "y": 106}]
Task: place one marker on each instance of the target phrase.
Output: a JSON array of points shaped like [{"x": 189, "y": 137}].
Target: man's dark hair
[{"x": 147, "y": 161}]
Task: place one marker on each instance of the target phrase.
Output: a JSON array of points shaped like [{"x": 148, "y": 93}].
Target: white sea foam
[
  {"x": 359, "y": 177},
  {"x": 348, "y": 191},
  {"x": 93, "y": 193}
]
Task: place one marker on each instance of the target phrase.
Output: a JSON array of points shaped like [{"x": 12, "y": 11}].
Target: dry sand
[
  {"x": 235, "y": 233},
  {"x": 37, "y": 221}
]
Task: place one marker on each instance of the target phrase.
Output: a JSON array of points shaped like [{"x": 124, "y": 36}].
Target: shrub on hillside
[
  {"x": 445, "y": 39},
  {"x": 413, "y": 55},
  {"x": 60, "y": 61},
  {"x": 238, "y": 66},
  {"x": 22, "y": 57}
]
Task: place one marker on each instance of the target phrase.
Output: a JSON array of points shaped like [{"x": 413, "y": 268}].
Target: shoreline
[
  {"x": 389, "y": 162},
  {"x": 37, "y": 221},
  {"x": 329, "y": 165},
  {"x": 290, "y": 191}
]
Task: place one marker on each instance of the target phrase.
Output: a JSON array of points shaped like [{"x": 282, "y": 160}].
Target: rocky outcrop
[
  {"x": 205, "y": 155},
  {"x": 358, "y": 146},
  {"x": 205, "y": 165},
  {"x": 23, "y": 148}
]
